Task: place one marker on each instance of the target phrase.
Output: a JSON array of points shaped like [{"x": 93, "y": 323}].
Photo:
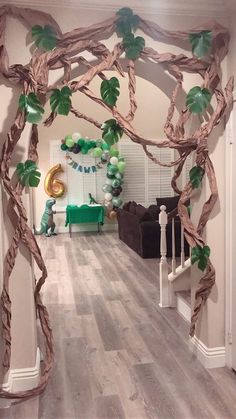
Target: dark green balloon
[
  {"x": 112, "y": 169},
  {"x": 81, "y": 142},
  {"x": 110, "y": 176},
  {"x": 64, "y": 147},
  {"x": 116, "y": 183}
]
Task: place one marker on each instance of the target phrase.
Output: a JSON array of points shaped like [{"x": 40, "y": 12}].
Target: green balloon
[
  {"x": 110, "y": 176},
  {"x": 81, "y": 142},
  {"x": 117, "y": 202},
  {"x": 119, "y": 175},
  {"x": 69, "y": 141},
  {"x": 114, "y": 152},
  {"x": 84, "y": 150},
  {"x": 112, "y": 169},
  {"x": 64, "y": 147},
  {"x": 121, "y": 166},
  {"x": 116, "y": 183},
  {"x": 105, "y": 146},
  {"x": 97, "y": 152},
  {"x": 121, "y": 158},
  {"x": 107, "y": 188}
]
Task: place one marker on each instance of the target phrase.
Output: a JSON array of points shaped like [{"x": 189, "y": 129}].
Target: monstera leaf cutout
[
  {"x": 200, "y": 255},
  {"x": 112, "y": 131},
  {"x": 60, "y": 100},
  {"x": 109, "y": 91},
  {"x": 32, "y": 105},
  {"x": 200, "y": 42},
  {"x": 127, "y": 21},
  {"x": 196, "y": 174},
  {"x": 46, "y": 37},
  {"x": 133, "y": 46},
  {"x": 28, "y": 173},
  {"x": 198, "y": 99}
]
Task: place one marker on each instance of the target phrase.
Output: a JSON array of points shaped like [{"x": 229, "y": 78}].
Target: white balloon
[
  {"x": 108, "y": 196},
  {"x": 109, "y": 181},
  {"x": 76, "y": 136},
  {"x": 113, "y": 160}
]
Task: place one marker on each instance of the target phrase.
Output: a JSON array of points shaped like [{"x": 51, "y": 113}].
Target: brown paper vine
[{"x": 34, "y": 78}]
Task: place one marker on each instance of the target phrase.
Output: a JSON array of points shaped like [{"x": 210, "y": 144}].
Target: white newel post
[
  {"x": 173, "y": 247},
  {"x": 164, "y": 282}
]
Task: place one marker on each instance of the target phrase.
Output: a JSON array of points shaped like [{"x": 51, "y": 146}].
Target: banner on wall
[{"x": 81, "y": 168}]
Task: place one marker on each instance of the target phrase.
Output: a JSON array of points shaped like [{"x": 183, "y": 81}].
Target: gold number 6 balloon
[{"x": 54, "y": 187}]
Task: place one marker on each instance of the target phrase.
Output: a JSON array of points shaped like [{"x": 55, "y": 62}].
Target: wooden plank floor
[{"x": 118, "y": 355}]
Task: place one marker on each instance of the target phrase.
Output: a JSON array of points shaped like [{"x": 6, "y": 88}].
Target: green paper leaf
[
  {"x": 200, "y": 42},
  {"x": 200, "y": 255},
  {"x": 32, "y": 105},
  {"x": 198, "y": 99},
  {"x": 46, "y": 37},
  {"x": 60, "y": 100},
  {"x": 196, "y": 174},
  {"x": 133, "y": 46},
  {"x": 112, "y": 132},
  {"x": 110, "y": 91},
  {"x": 28, "y": 173},
  {"x": 127, "y": 21}
]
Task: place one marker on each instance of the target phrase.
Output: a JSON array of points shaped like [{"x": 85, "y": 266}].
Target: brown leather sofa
[{"x": 140, "y": 230}]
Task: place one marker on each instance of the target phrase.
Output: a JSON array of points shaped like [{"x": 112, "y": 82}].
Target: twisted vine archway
[{"x": 66, "y": 50}]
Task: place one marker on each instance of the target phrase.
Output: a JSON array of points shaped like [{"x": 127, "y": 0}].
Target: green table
[{"x": 84, "y": 214}]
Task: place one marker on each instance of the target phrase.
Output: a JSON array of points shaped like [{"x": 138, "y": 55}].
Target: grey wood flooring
[{"x": 118, "y": 355}]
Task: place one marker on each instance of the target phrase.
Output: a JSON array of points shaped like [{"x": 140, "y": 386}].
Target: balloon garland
[{"x": 110, "y": 156}]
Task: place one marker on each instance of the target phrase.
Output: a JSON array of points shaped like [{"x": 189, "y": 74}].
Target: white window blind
[{"x": 144, "y": 180}]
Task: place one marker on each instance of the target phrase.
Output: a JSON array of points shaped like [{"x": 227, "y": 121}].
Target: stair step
[{"x": 183, "y": 304}]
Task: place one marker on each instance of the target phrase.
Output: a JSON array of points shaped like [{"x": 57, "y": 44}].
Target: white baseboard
[
  {"x": 87, "y": 227},
  {"x": 23, "y": 379},
  {"x": 183, "y": 307},
  {"x": 209, "y": 357}
]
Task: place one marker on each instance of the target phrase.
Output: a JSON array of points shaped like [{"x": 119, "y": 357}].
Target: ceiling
[{"x": 200, "y": 7}]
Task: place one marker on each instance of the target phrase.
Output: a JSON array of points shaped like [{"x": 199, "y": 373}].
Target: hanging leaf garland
[
  {"x": 196, "y": 174},
  {"x": 46, "y": 37},
  {"x": 133, "y": 46},
  {"x": 198, "y": 99},
  {"x": 32, "y": 105},
  {"x": 60, "y": 100},
  {"x": 200, "y": 42},
  {"x": 110, "y": 91},
  {"x": 127, "y": 21},
  {"x": 112, "y": 131},
  {"x": 28, "y": 173},
  {"x": 200, "y": 255}
]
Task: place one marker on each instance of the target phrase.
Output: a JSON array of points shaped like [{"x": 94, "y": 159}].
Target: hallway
[{"x": 118, "y": 355}]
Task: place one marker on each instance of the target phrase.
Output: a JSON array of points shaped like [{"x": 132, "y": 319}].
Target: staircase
[{"x": 175, "y": 290}]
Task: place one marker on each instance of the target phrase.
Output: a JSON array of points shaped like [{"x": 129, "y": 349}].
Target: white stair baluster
[
  {"x": 182, "y": 254},
  {"x": 163, "y": 266},
  {"x": 173, "y": 247}
]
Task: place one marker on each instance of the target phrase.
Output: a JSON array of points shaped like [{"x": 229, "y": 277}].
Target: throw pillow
[
  {"x": 126, "y": 206},
  {"x": 143, "y": 214},
  {"x": 154, "y": 211},
  {"x": 132, "y": 207},
  {"x": 171, "y": 203}
]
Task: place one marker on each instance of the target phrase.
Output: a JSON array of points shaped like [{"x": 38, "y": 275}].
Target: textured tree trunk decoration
[{"x": 34, "y": 78}]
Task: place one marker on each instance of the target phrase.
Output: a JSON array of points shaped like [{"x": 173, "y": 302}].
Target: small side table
[{"x": 84, "y": 214}]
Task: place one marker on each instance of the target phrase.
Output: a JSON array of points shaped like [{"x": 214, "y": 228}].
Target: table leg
[{"x": 70, "y": 230}]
